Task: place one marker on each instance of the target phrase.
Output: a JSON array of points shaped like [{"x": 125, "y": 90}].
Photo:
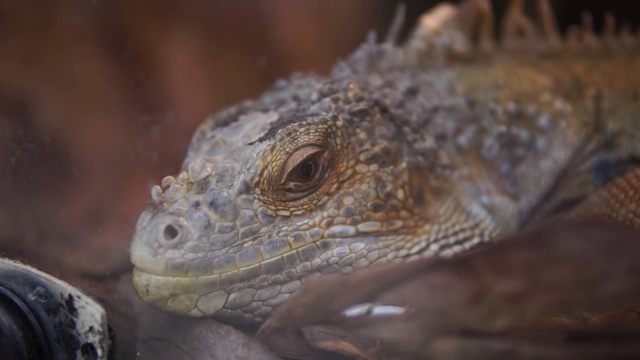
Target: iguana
[{"x": 430, "y": 147}]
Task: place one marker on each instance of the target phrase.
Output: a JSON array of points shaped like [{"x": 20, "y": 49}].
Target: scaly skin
[{"x": 402, "y": 152}]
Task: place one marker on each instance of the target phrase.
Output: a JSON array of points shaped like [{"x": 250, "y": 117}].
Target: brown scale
[{"x": 618, "y": 202}]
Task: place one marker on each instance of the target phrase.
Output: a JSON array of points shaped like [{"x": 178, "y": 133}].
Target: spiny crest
[
  {"x": 196, "y": 171},
  {"x": 460, "y": 31}
]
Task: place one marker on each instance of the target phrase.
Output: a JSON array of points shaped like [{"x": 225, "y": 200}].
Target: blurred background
[{"x": 99, "y": 99}]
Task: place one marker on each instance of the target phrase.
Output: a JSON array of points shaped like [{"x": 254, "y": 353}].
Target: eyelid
[{"x": 296, "y": 158}]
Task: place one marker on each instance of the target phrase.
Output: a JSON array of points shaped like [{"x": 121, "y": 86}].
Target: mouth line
[
  {"x": 142, "y": 271},
  {"x": 137, "y": 271}
]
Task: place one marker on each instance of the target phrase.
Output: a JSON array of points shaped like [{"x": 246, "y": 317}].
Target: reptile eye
[
  {"x": 303, "y": 171},
  {"x": 307, "y": 170}
]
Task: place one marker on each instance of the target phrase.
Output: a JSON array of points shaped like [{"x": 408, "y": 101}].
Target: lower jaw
[{"x": 178, "y": 295}]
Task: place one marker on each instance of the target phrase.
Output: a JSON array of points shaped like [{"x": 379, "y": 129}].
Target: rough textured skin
[{"x": 404, "y": 151}]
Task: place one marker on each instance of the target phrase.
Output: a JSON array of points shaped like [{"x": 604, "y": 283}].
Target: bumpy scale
[{"x": 428, "y": 148}]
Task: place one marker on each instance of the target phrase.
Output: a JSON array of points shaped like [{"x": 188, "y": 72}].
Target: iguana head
[{"x": 272, "y": 192}]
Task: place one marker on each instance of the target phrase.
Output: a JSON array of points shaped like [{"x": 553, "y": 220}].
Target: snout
[{"x": 156, "y": 241}]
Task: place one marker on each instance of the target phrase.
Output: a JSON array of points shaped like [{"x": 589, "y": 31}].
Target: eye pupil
[{"x": 306, "y": 169}]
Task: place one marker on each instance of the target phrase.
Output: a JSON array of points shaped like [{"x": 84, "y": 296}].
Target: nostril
[{"x": 170, "y": 232}]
